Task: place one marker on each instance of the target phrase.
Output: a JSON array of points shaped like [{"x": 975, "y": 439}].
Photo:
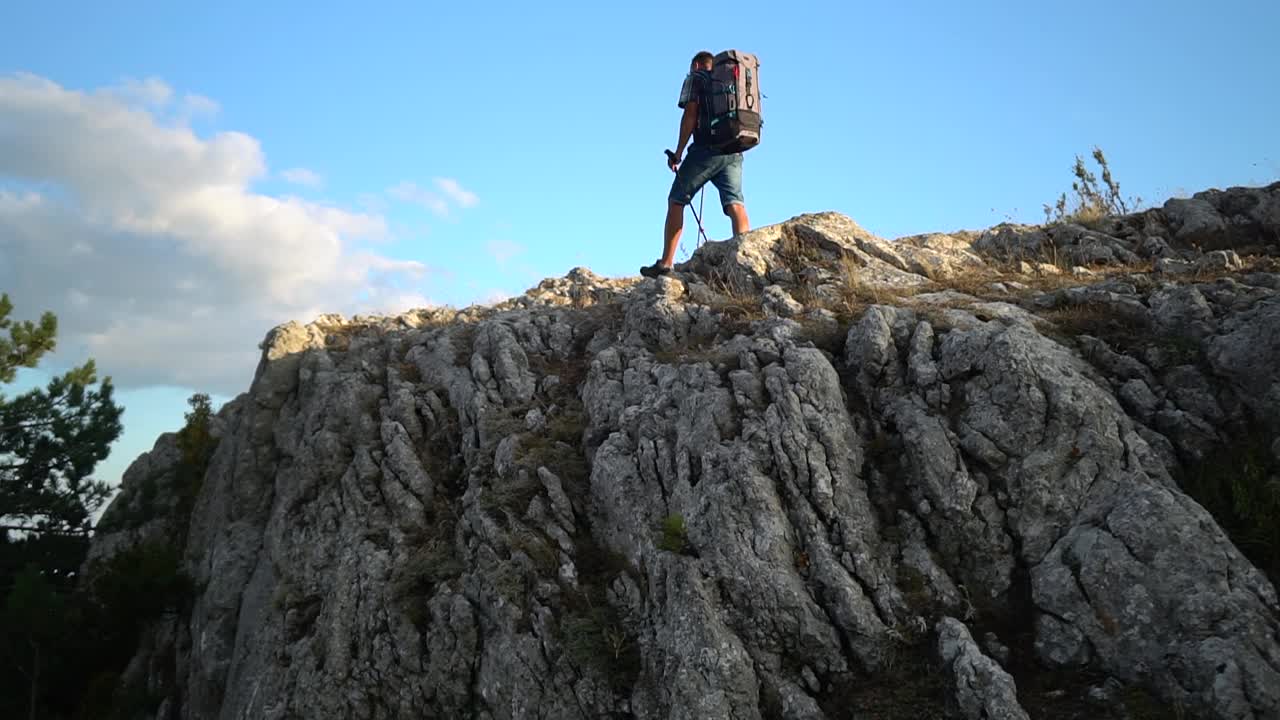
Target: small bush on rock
[
  {"x": 1093, "y": 202},
  {"x": 675, "y": 538}
]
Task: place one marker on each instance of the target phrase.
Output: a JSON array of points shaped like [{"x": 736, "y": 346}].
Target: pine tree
[{"x": 50, "y": 441}]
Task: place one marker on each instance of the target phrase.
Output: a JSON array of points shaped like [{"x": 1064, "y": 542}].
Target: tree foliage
[
  {"x": 69, "y": 628},
  {"x": 195, "y": 439},
  {"x": 51, "y": 439},
  {"x": 27, "y": 341}
]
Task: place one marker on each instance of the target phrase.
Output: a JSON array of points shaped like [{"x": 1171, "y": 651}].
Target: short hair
[{"x": 702, "y": 57}]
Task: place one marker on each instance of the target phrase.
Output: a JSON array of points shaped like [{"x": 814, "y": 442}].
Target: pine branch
[
  {"x": 26, "y": 425},
  {"x": 45, "y": 531}
]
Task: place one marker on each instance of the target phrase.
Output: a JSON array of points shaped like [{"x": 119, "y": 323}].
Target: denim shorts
[{"x": 701, "y": 166}]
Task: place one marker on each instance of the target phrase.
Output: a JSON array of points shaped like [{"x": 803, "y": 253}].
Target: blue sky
[{"x": 489, "y": 145}]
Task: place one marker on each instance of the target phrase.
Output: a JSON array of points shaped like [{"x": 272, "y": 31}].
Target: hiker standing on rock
[{"x": 721, "y": 102}]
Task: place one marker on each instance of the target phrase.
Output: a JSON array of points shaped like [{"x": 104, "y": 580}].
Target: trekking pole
[
  {"x": 701, "y": 196},
  {"x": 701, "y": 232}
]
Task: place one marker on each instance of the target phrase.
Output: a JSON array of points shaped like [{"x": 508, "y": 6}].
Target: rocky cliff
[{"x": 812, "y": 474}]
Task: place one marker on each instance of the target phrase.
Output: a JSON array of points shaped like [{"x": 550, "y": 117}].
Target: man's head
[{"x": 702, "y": 61}]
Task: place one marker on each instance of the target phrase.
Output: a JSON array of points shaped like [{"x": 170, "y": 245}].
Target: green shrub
[
  {"x": 675, "y": 537},
  {"x": 1237, "y": 484},
  {"x": 197, "y": 445},
  {"x": 596, "y": 638},
  {"x": 433, "y": 560},
  {"x": 510, "y": 495},
  {"x": 141, "y": 583}
]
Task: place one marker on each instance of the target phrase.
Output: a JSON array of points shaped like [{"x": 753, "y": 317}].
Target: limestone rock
[
  {"x": 979, "y": 688},
  {"x": 739, "y": 490}
]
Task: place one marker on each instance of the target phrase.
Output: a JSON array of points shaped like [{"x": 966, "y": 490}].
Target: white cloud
[
  {"x": 411, "y": 193},
  {"x": 372, "y": 202},
  {"x": 148, "y": 243},
  {"x": 302, "y": 176},
  {"x": 503, "y": 250},
  {"x": 194, "y": 105},
  {"x": 148, "y": 91},
  {"x": 454, "y": 191},
  {"x": 437, "y": 201}
]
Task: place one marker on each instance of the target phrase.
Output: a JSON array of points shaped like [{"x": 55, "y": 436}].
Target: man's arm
[{"x": 688, "y": 121}]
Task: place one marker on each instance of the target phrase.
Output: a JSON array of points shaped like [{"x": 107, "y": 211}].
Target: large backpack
[{"x": 732, "y": 116}]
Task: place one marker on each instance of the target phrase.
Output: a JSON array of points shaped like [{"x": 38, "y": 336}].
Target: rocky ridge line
[{"x": 799, "y": 476}]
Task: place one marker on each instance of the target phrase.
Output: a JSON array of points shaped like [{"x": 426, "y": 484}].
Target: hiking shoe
[{"x": 655, "y": 270}]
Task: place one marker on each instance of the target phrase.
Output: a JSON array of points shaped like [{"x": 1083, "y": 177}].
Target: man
[{"x": 703, "y": 165}]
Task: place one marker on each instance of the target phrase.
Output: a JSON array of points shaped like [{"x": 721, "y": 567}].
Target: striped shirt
[{"x": 694, "y": 85}]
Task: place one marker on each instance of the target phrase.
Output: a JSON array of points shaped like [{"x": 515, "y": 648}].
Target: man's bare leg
[
  {"x": 671, "y": 234},
  {"x": 737, "y": 213}
]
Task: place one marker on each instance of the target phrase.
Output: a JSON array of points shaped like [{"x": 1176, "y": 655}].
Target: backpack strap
[{"x": 702, "y": 87}]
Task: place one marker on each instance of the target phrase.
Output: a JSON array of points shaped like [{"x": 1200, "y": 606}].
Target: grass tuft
[{"x": 675, "y": 536}]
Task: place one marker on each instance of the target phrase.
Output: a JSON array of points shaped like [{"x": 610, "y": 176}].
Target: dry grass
[
  {"x": 1124, "y": 333},
  {"x": 735, "y": 299},
  {"x": 1093, "y": 203},
  {"x": 1087, "y": 318},
  {"x": 1008, "y": 282},
  {"x": 981, "y": 282},
  {"x": 738, "y": 306},
  {"x": 1089, "y": 216},
  {"x": 797, "y": 252},
  {"x": 855, "y": 294}
]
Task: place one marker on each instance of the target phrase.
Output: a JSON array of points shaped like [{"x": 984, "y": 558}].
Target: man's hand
[{"x": 673, "y": 160}]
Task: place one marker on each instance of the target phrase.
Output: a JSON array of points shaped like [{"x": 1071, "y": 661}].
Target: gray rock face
[
  {"x": 981, "y": 689},
  {"x": 748, "y": 489},
  {"x": 1216, "y": 219}
]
